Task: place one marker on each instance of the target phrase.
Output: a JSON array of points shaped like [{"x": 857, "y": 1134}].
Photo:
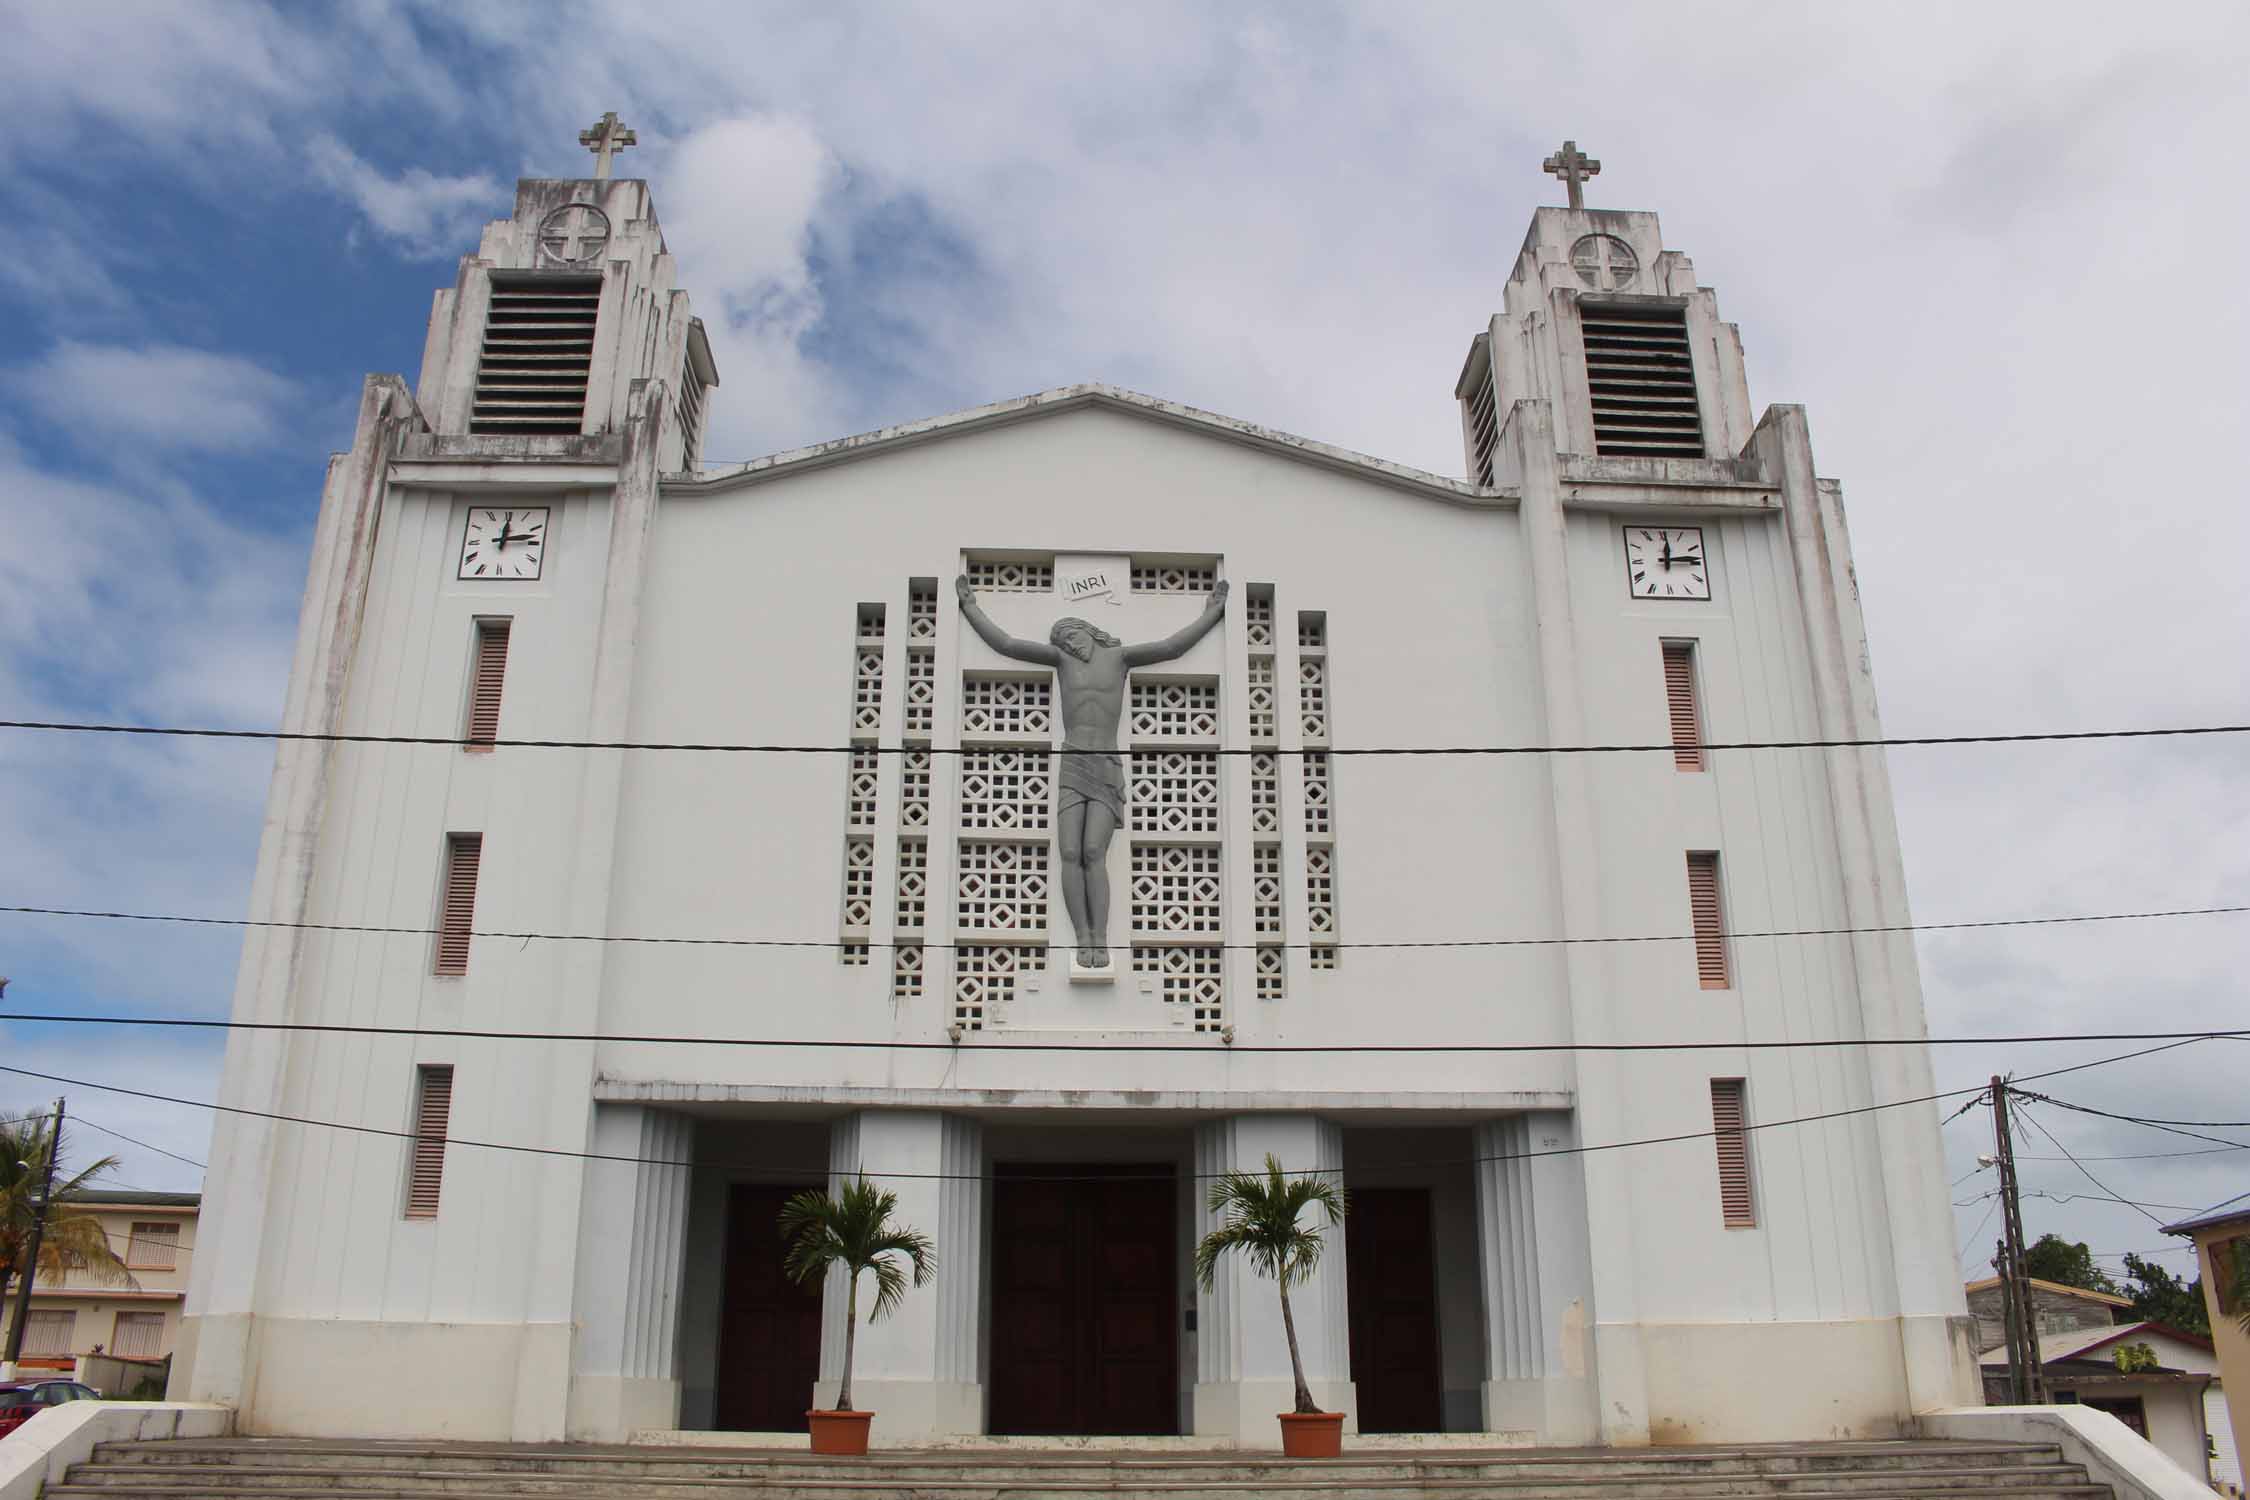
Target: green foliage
[
  {"x": 74, "y": 1240},
  {"x": 853, "y": 1229},
  {"x": 2131, "y": 1359},
  {"x": 2161, "y": 1297},
  {"x": 1264, "y": 1219},
  {"x": 2053, "y": 1258}
]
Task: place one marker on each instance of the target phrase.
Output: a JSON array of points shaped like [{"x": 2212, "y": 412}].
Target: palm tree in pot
[
  {"x": 1265, "y": 1218},
  {"x": 852, "y": 1229}
]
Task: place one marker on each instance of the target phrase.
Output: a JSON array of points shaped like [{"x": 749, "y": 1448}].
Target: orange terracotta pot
[
  {"x": 839, "y": 1432},
  {"x": 1317, "y": 1434}
]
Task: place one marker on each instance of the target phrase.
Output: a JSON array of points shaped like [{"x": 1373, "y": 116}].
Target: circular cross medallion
[
  {"x": 1604, "y": 262},
  {"x": 574, "y": 234}
]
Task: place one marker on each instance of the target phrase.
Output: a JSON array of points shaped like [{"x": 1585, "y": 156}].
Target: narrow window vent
[
  {"x": 464, "y": 852},
  {"x": 1642, "y": 381},
  {"x": 433, "y": 1110},
  {"x": 538, "y": 349},
  {"x": 485, "y": 678},
  {"x": 693, "y": 397},
  {"x": 1483, "y": 419},
  {"x": 1679, "y": 699},
  {"x": 1710, "y": 932},
  {"x": 1729, "y": 1130}
]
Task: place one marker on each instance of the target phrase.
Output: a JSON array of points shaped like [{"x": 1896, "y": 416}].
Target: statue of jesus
[{"x": 1091, "y": 669}]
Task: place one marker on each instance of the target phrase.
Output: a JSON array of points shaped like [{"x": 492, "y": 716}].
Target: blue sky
[{"x": 1976, "y": 262}]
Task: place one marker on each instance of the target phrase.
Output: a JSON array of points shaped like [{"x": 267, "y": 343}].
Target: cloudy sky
[{"x": 1961, "y": 235}]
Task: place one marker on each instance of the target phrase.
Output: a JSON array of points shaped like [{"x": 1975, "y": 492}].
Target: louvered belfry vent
[
  {"x": 1730, "y": 1131},
  {"x": 1483, "y": 418},
  {"x": 1710, "y": 928},
  {"x": 1679, "y": 702},
  {"x": 1641, "y": 380},
  {"x": 538, "y": 350},
  {"x": 433, "y": 1112},
  {"x": 464, "y": 853},
  {"x": 487, "y": 674}
]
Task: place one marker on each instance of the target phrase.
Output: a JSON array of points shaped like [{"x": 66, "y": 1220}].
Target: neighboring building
[
  {"x": 2222, "y": 1251},
  {"x": 2056, "y": 1307},
  {"x": 154, "y": 1234},
  {"x": 527, "y": 547},
  {"x": 2180, "y": 1405}
]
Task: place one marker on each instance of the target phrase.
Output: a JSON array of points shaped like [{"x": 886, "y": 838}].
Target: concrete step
[
  {"x": 1110, "y": 1466},
  {"x": 280, "y": 1469},
  {"x": 1517, "y": 1485},
  {"x": 226, "y": 1489}
]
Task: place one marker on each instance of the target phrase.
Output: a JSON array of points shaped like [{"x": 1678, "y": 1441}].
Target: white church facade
[{"x": 878, "y": 949}]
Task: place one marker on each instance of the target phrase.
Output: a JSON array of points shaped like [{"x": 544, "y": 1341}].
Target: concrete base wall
[
  {"x": 493, "y": 1382},
  {"x": 611, "y": 1408},
  {"x": 1756, "y": 1382},
  {"x": 909, "y": 1411},
  {"x": 1248, "y": 1411}
]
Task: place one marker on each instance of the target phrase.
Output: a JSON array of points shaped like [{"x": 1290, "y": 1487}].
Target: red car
[{"x": 21, "y": 1400}]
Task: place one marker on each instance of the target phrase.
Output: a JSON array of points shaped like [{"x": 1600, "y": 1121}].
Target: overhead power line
[
  {"x": 383, "y": 930},
  {"x": 821, "y": 1172},
  {"x": 775, "y": 748},
  {"x": 2170, "y": 1039},
  {"x": 144, "y": 1145}
]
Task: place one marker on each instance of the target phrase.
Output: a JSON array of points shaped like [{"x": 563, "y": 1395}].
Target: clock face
[
  {"x": 503, "y": 544},
  {"x": 1666, "y": 562}
]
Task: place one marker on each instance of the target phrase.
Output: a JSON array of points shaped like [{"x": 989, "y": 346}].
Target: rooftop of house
[
  {"x": 2232, "y": 1210},
  {"x": 2059, "y": 1288}
]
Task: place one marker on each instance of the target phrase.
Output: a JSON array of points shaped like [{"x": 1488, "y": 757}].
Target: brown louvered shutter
[
  {"x": 486, "y": 674},
  {"x": 1679, "y": 699},
  {"x": 1734, "y": 1153},
  {"x": 1710, "y": 935},
  {"x": 463, "y": 853},
  {"x": 433, "y": 1108}
]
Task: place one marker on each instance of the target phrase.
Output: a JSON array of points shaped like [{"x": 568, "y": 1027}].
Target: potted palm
[
  {"x": 852, "y": 1229},
  {"x": 1264, "y": 1217}
]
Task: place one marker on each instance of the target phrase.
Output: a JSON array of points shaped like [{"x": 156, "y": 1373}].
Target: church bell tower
[
  {"x": 564, "y": 307},
  {"x": 1609, "y": 328}
]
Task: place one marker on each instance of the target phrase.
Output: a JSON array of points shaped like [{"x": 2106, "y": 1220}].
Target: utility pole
[
  {"x": 2027, "y": 1378},
  {"x": 30, "y": 1267}
]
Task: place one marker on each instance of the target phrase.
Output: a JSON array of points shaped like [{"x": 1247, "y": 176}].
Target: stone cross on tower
[
  {"x": 606, "y": 138},
  {"x": 1573, "y": 166}
]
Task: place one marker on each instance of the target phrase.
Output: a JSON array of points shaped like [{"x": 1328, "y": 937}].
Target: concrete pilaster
[
  {"x": 1538, "y": 1292},
  {"x": 918, "y": 1369},
  {"x": 632, "y": 1243},
  {"x": 1243, "y": 1380}
]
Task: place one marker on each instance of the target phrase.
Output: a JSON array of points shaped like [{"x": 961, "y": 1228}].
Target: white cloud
[
  {"x": 159, "y": 394},
  {"x": 422, "y": 213}
]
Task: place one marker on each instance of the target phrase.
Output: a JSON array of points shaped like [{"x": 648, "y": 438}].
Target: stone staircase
[{"x": 298, "y": 1469}]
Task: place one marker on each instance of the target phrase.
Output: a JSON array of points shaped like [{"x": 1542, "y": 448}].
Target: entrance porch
[{"x": 1064, "y": 1304}]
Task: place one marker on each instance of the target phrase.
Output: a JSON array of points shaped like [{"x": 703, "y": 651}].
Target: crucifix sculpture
[
  {"x": 1573, "y": 166},
  {"x": 1091, "y": 669},
  {"x": 605, "y": 138}
]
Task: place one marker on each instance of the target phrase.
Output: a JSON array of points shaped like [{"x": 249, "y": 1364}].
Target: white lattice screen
[
  {"x": 1174, "y": 578},
  {"x": 1176, "y": 890},
  {"x": 1265, "y": 890},
  {"x": 1006, "y": 791},
  {"x": 1264, "y": 720},
  {"x": 914, "y": 788},
  {"x": 996, "y": 707},
  {"x": 921, "y": 659},
  {"x": 912, "y": 905},
  {"x": 1000, "y": 576},
  {"x": 1314, "y": 705},
  {"x": 1257, "y": 617},
  {"x": 863, "y": 779},
  {"x": 1001, "y": 887},
  {"x": 906, "y": 971},
  {"x": 1175, "y": 792},
  {"x": 985, "y": 974},
  {"x": 1192, "y": 977},
  {"x": 1273, "y": 973},
  {"x": 1265, "y": 792},
  {"x": 1176, "y": 861},
  {"x": 1170, "y": 709}
]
